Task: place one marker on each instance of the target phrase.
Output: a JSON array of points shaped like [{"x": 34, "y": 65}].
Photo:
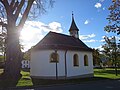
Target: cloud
[
  {"x": 103, "y": 37},
  {"x": 103, "y": 8},
  {"x": 87, "y": 36},
  {"x": 86, "y": 22},
  {"x": 102, "y": 40},
  {"x": 62, "y": 17},
  {"x": 99, "y": 48},
  {"x": 101, "y": 0},
  {"x": 98, "y": 5},
  {"x": 92, "y": 40},
  {"x": 55, "y": 27},
  {"x": 117, "y": 38},
  {"x": 34, "y": 31}
]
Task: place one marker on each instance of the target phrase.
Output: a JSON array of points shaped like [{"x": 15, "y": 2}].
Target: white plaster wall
[
  {"x": 81, "y": 69},
  {"x": 61, "y": 64},
  {"x": 41, "y": 66}
]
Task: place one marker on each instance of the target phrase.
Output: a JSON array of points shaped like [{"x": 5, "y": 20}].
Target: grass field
[
  {"x": 25, "y": 80},
  {"x": 108, "y": 73}
]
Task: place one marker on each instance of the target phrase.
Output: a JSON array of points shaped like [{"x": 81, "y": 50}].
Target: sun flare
[{"x": 27, "y": 33}]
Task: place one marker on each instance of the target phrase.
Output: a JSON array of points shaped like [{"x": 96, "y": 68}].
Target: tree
[
  {"x": 13, "y": 14},
  {"x": 3, "y": 35},
  {"x": 96, "y": 58},
  {"x": 114, "y": 17},
  {"x": 26, "y": 55},
  {"x": 112, "y": 51}
]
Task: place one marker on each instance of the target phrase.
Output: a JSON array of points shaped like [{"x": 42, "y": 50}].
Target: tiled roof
[{"x": 62, "y": 42}]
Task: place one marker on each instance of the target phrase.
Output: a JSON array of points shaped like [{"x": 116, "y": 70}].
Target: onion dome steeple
[{"x": 73, "y": 28}]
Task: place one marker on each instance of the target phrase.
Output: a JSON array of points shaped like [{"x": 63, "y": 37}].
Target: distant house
[
  {"x": 25, "y": 64},
  {"x": 59, "y": 56}
]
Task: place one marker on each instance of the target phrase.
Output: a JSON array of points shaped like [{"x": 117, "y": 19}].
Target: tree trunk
[{"x": 12, "y": 68}]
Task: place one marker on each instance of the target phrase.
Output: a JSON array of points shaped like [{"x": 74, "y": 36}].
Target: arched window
[
  {"x": 75, "y": 60},
  {"x": 85, "y": 60},
  {"x": 54, "y": 57}
]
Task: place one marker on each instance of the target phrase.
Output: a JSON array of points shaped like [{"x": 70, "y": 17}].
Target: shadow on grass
[
  {"x": 26, "y": 69},
  {"x": 37, "y": 82},
  {"x": 99, "y": 74}
]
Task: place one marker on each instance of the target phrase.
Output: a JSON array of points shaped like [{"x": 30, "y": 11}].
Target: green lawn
[
  {"x": 99, "y": 74},
  {"x": 107, "y": 73},
  {"x": 25, "y": 80}
]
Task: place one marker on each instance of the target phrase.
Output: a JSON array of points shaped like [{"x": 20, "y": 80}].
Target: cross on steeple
[{"x": 72, "y": 14}]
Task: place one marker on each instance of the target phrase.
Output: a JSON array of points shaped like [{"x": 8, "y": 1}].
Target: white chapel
[{"x": 60, "y": 56}]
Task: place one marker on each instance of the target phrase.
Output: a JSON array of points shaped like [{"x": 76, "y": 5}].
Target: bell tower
[{"x": 73, "y": 28}]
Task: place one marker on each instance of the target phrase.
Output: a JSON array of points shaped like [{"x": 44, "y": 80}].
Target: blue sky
[{"x": 90, "y": 17}]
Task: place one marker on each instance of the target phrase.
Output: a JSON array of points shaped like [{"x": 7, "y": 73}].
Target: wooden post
[
  {"x": 65, "y": 65},
  {"x": 56, "y": 65}
]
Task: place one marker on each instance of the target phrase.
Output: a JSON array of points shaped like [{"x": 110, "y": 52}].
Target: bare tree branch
[
  {"x": 15, "y": 6},
  {"x": 19, "y": 9},
  {"x": 6, "y": 4},
  {"x": 25, "y": 15},
  {"x": 12, "y": 3}
]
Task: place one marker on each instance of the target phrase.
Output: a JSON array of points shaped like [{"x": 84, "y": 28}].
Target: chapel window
[
  {"x": 75, "y": 60},
  {"x": 85, "y": 60}
]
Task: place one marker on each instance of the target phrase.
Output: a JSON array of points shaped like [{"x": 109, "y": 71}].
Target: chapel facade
[{"x": 60, "y": 56}]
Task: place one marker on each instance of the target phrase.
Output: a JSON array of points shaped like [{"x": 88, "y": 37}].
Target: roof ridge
[
  {"x": 58, "y": 33},
  {"x": 61, "y": 41}
]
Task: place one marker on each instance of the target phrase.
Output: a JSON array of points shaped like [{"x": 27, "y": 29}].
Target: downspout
[{"x": 65, "y": 64}]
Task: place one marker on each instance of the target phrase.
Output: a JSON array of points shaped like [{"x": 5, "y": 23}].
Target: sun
[{"x": 27, "y": 34}]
